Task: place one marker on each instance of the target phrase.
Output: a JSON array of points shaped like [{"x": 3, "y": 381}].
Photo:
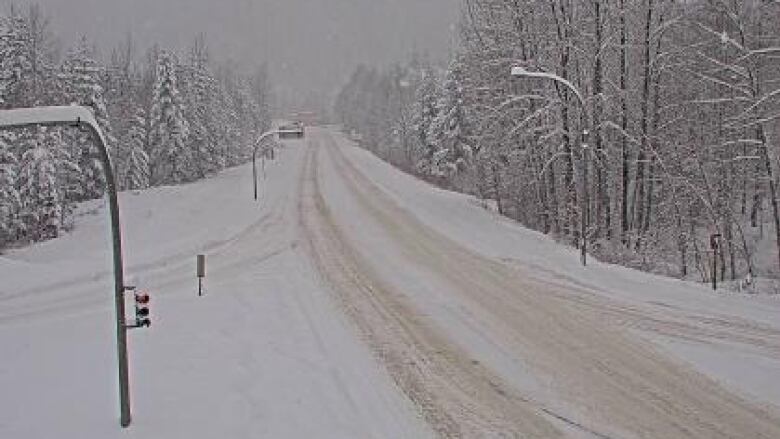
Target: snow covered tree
[
  {"x": 426, "y": 110},
  {"x": 15, "y": 64},
  {"x": 677, "y": 103},
  {"x": 199, "y": 89},
  {"x": 80, "y": 83},
  {"x": 174, "y": 122},
  {"x": 134, "y": 141},
  {"x": 171, "y": 160},
  {"x": 10, "y": 201},
  {"x": 121, "y": 83},
  {"x": 26, "y": 59},
  {"x": 42, "y": 202},
  {"x": 263, "y": 98},
  {"x": 449, "y": 133}
]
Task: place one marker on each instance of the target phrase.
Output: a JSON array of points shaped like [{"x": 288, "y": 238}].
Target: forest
[
  {"x": 171, "y": 116},
  {"x": 646, "y": 130}
]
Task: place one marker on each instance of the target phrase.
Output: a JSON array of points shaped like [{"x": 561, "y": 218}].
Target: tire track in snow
[
  {"x": 663, "y": 319},
  {"x": 456, "y": 395},
  {"x": 615, "y": 380},
  {"x": 81, "y": 293}
]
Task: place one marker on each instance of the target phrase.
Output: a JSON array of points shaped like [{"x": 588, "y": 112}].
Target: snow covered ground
[
  {"x": 354, "y": 301},
  {"x": 462, "y": 218},
  {"x": 264, "y": 354}
]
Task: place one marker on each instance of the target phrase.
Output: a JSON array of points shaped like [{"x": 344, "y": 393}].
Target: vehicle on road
[{"x": 293, "y": 130}]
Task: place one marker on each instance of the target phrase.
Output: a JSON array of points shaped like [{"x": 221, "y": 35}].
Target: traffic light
[{"x": 142, "y": 317}]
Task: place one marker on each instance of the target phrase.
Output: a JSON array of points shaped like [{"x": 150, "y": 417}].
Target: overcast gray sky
[{"x": 310, "y": 45}]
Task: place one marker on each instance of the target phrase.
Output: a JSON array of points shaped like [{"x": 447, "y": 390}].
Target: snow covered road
[
  {"x": 358, "y": 302},
  {"x": 535, "y": 355}
]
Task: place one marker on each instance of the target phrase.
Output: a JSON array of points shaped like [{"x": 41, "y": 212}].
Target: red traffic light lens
[{"x": 143, "y": 299}]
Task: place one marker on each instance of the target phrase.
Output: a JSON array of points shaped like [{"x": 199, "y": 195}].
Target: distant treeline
[
  {"x": 168, "y": 120},
  {"x": 676, "y": 138}
]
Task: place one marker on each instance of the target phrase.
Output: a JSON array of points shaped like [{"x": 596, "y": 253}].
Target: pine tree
[
  {"x": 244, "y": 112},
  {"x": 263, "y": 99},
  {"x": 80, "y": 83},
  {"x": 26, "y": 60},
  {"x": 449, "y": 131},
  {"x": 200, "y": 94},
  {"x": 10, "y": 201},
  {"x": 15, "y": 64},
  {"x": 41, "y": 208},
  {"x": 171, "y": 160},
  {"x": 425, "y": 112},
  {"x": 121, "y": 84},
  {"x": 137, "y": 175}
]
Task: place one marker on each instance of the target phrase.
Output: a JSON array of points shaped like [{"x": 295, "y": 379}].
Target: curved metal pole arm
[
  {"x": 257, "y": 144},
  {"x": 82, "y": 117},
  {"x": 262, "y": 137},
  {"x": 522, "y": 72}
]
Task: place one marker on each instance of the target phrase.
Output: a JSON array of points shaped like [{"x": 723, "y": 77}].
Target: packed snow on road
[
  {"x": 389, "y": 219},
  {"x": 352, "y": 300}
]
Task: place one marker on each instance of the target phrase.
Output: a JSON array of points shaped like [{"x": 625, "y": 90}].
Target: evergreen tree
[
  {"x": 10, "y": 201},
  {"x": 242, "y": 130},
  {"x": 425, "y": 112},
  {"x": 449, "y": 131},
  {"x": 200, "y": 94},
  {"x": 41, "y": 208},
  {"x": 174, "y": 122},
  {"x": 80, "y": 83},
  {"x": 121, "y": 84},
  {"x": 14, "y": 63},
  {"x": 137, "y": 175},
  {"x": 26, "y": 60},
  {"x": 171, "y": 160},
  {"x": 263, "y": 99}
]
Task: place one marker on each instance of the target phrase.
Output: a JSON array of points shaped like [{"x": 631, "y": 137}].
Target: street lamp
[
  {"x": 258, "y": 142},
  {"x": 82, "y": 117},
  {"x": 522, "y": 72}
]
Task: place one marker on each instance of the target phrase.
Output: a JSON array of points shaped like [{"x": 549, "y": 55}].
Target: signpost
[
  {"x": 201, "y": 273},
  {"x": 715, "y": 246}
]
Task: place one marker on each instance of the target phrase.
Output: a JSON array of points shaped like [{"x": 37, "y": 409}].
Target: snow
[
  {"x": 268, "y": 352},
  {"x": 264, "y": 354},
  {"x": 50, "y": 116},
  {"x": 47, "y": 116},
  {"x": 462, "y": 219},
  {"x": 27, "y": 116}
]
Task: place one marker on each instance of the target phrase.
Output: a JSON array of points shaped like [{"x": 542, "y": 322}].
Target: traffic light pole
[
  {"x": 82, "y": 117},
  {"x": 119, "y": 283}
]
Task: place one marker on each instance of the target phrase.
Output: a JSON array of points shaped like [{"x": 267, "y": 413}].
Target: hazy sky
[{"x": 310, "y": 45}]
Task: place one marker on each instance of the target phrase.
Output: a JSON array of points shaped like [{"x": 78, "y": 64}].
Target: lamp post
[
  {"x": 258, "y": 142},
  {"x": 522, "y": 72},
  {"x": 82, "y": 117}
]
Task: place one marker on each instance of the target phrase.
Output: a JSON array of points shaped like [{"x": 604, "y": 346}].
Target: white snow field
[{"x": 354, "y": 301}]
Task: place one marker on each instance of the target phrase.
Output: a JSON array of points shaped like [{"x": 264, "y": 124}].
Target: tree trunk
[
  {"x": 603, "y": 214},
  {"x": 772, "y": 187},
  {"x": 624, "y": 221},
  {"x": 639, "y": 199}
]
